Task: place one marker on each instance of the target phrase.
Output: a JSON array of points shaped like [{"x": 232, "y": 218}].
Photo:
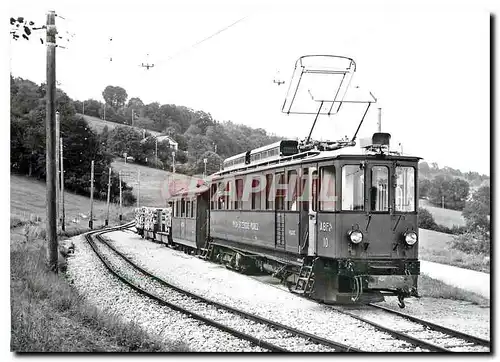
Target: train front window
[
  {"x": 405, "y": 189},
  {"x": 353, "y": 180},
  {"x": 379, "y": 190}
]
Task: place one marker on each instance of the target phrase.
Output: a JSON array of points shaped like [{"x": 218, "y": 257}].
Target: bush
[
  {"x": 426, "y": 220},
  {"x": 472, "y": 242}
]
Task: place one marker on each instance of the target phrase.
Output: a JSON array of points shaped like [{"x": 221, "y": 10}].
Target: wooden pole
[
  {"x": 51, "y": 177},
  {"x": 62, "y": 185},
  {"x": 120, "y": 180},
  {"x": 58, "y": 172},
  {"x": 138, "y": 186},
  {"x": 91, "y": 221},
  {"x": 109, "y": 192}
]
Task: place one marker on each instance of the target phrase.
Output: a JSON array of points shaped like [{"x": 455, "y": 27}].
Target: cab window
[
  {"x": 405, "y": 189},
  {"x": 379, "y": 189},
  {"x": 353, "y": 180}
]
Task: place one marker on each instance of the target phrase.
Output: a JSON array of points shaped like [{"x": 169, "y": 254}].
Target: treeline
[
  {"x": 81, "y": 145},
  {"x": 198, "y": 135},
  {"x": 427, "y": 171}
]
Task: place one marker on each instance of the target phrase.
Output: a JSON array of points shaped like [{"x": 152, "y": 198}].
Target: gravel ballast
[{"x": 93, "y": 281}]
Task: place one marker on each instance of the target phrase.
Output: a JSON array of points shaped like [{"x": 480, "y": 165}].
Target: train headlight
[
  {"x": 411, "y": 237},
  {"x": 356, "y": 236}
]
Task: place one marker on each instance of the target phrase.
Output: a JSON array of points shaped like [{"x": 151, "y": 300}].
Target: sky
[{"x": 427, "y": 65}]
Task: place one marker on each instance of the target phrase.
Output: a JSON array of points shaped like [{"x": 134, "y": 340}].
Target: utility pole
[
  {"x": 62, "y": 184},
  {"x": 380, "y": 120},
  {"x": 104, "y": 111},
  {"x": 91, "y": 221},
  {"x": 173, "y": 162},
  {"x": 58, "y": 170},
  {"x": 138, "y": 186},
  {"x": 156, "y": 152},
  {"x": 120, "y": 181},
  {"x": 442, "y": 202},
  {"x": 205, "y": 170},
  {"x": 51, "y": 140},
  {"x": 109, "y": 192},
  {"x": 83, "y": 110}
]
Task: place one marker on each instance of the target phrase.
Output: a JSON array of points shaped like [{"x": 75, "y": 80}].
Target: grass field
[
  {"x": 98, "y": 125},
  {"x": 435, "y": 247},
  {"x": 154, "y": 182},
  {"x": 445, "y": 217},
  {"x": 27, "y": 201}
]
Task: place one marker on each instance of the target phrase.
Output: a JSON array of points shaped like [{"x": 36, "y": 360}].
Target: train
[{"x": 332, "y": 223}]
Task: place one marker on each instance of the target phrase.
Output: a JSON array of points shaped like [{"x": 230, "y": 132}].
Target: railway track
[
  {"x": 259, "y": 331},
  {"x": 417, "y": 331}
]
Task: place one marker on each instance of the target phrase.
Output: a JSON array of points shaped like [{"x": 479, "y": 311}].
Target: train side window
[
  {"x": 183, "y": 208},
  {"x": 256, "y": 194},
  {"x": 239, "y": 193},
  {"x": 353, "y": 180},
  {"x": 177, "y": 208},
  {"x": 193, "y": 208},
  {"x": 280, "y": 191},
  {"x": 269, "y": 185},
  {"x": 229, "y": 195},
  {"x": 379, "y": 190},
  {"x": 188, "y": 208},
  {"x": 220, "y": 196},
  {"x": 213, "y": 196},
  {"x": 291, "y": 195},
  {"x": 328, "y": 197},
  {"x": 405, "y": 189}
]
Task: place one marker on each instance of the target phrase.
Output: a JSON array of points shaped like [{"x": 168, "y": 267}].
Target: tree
[
  {"x": 425, "y": 219},
  {"x": 477, "y": 211},
  {"x": 115, "y": 97},
  {"x": 214, "y": 162},
  {"x": 454, "y": 191},
  {"x": 424, "y": 185}
]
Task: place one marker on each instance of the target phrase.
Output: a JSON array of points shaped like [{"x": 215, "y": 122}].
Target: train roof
[{"x": 312, "y": 156}]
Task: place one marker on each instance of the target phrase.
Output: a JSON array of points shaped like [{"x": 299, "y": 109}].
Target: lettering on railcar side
[
  {"x": 325, "y": 226},
  {"x": 245, "y": 225}
]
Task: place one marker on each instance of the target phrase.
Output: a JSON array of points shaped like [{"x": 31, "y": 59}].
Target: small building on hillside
[{"x": 165, "y": 138}]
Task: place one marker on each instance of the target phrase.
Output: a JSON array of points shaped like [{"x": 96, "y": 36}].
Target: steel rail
[
  {"x": 442, "y": 329},
  {"x": 316, "y": 339},
  {"x": 190, "y": 314}
]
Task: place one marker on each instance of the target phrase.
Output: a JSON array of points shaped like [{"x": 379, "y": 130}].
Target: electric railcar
[{"x": 334, "y": 226}]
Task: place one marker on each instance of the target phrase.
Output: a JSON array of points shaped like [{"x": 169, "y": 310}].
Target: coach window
[
  {"x": 353, "y": 181},
  {"x": 177, "y": 208},
  {"x": 292, "y": 191},
  {"x": 183, "y": 208},
  {"x": 193, "y": 208},
  {"x": 405, "y": 189},
  {"x": 269, "y": 185},
  {"x": 228, "y": 197},
  {"x": 327, "y": 195},
  {"x": 256, "y": 193},
  {"x": 188, "y": 208},
  {"x": 379, "y": 195},
  {"x": 213, "y": 195},
  {"x": 239, "y": 194}
]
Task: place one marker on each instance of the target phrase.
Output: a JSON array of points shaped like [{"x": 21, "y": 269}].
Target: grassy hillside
[
  {"x": 154, "y": 182},
  {"x": 435, "y": 246},
  {"x": 445, "y": 217},
  {"x": 98, "y": 125},
  {"x": 27, "y": 201}
]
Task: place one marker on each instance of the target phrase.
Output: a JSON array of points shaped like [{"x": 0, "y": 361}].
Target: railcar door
[
  {"x": 312, "y": 197},
  {"x": 304, "y": 211}
]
